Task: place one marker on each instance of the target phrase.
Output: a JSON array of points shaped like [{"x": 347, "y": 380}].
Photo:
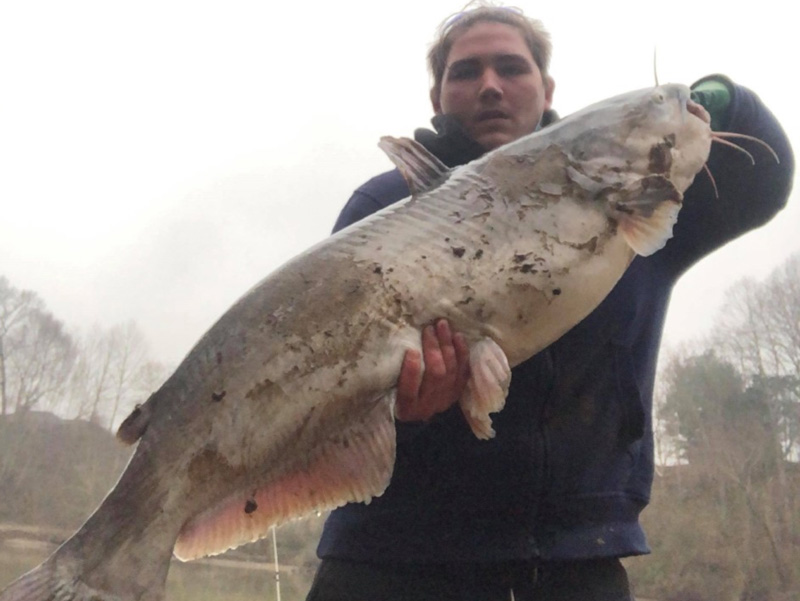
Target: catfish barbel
[{"x": 286, "y": 405}]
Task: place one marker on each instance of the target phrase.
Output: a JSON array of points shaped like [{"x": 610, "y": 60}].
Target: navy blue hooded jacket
[{"x": 571, "y": 466}]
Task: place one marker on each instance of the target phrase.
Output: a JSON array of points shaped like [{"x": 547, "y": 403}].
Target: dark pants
[{"x": 590, "y": 580}]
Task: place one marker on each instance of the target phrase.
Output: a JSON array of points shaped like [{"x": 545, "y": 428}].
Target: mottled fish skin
[{"x": 286, "y": 404}]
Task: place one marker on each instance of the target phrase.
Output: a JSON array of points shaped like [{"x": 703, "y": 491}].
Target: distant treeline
[
  {"x": 724, "y": 523},
  {"x": 98, "y": 375}
]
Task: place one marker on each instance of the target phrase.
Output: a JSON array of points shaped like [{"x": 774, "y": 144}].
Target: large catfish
[{"x": 286, "y": 404}]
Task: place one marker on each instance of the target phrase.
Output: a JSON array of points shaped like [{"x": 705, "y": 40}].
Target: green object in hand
[{"x": 715, "y": 96}]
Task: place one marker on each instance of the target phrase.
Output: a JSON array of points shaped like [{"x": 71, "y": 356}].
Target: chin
[{"x": 494, "y": 140}]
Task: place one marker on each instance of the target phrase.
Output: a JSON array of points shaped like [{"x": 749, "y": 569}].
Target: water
[{"x": 203, "y": 580}]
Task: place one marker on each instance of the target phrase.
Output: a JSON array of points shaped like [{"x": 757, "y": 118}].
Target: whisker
[
  {"x": 713, "y": 181},
  {"x": 655, "y": 64},
  {"x": 727, "y": 134},
  {"x": 714, "y": 138}
]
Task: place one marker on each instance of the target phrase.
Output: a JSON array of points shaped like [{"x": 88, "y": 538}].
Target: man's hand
[
  {"x": 714, "y": 94},
  {"x": 421, "y": 395}
]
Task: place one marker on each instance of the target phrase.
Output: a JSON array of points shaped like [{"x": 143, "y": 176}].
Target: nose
[{"x": 491, "y": 85}]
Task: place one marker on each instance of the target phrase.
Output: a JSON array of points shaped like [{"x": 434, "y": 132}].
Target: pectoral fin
[{"x": 647, "y": 214}]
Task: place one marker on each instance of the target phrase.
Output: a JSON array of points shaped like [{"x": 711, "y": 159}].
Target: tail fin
[
  {"x": 54, "y": 582},
  {"x": 44, "y": 584},
  {"x": 38, "y": 584}
]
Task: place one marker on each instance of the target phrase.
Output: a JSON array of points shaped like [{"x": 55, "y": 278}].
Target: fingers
[
  {"x": 436, "y": 363},
  {"x": 423, "y": 394},
  {"x": 408, "y": 387},
  {"x": 462, "y": 359}
]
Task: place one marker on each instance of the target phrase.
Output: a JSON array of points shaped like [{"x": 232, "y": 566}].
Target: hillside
[{"x": 54, "y": 473}]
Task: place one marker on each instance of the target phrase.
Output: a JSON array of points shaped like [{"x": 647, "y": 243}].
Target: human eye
[
  {"x": 463, "y": 70},
  {"x": 511, "y": 66}
]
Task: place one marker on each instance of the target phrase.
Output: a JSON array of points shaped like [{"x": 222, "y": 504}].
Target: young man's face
[{"x": 492, "y": 85}]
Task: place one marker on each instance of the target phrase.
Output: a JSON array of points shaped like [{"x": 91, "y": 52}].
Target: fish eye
[{"x": 658, "y": 97}]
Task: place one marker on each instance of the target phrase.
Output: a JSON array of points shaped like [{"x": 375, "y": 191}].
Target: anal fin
[{"x": 352, "y": 464}]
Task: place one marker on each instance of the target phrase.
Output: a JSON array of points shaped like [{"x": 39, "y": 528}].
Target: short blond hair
[{"x": 536, "y": 37}]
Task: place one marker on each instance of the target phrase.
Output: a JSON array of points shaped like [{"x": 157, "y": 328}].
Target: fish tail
[
  {"x": 53, "y": 581},
  {"x": 44, "y": 583},
  {"x": 36, "y": 585}
]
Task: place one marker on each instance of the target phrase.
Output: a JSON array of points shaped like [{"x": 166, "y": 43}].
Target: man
[{"x": 545, "y": 510}]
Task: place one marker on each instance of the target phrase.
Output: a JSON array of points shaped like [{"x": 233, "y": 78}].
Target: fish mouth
[{"x": 698, "y": 110}]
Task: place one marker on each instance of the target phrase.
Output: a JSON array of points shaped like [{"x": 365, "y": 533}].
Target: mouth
[
  {"x": 488, "y": 115},
  {"x": 698, "y": 111}
]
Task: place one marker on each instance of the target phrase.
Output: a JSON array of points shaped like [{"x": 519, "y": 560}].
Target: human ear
[
  {"x": 549, "y": 88},
  {"x": 436, "y": 100}
]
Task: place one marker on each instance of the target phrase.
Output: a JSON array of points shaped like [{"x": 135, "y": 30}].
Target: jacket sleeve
[
  {"x": 359, "y": 206},
  {"x": 749, "y": 194},
  {"x": 374, "y": 195}
]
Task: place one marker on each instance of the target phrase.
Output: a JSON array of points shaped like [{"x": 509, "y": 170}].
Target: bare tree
[
  {"x": 15, "y": 308},
  {"x": 37, "y": 352},
  {"x": 131, "y": 358},
  {"x": 91, "y": 379},
  {"x": 114, "y": 372},
  {"x": 759, "y": 331}
]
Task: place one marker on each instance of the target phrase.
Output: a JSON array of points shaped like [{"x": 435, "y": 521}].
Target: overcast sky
[{"x": 159, "y": 158}]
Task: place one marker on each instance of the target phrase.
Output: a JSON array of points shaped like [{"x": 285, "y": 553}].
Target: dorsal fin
[{"x": 421, "y": 169}]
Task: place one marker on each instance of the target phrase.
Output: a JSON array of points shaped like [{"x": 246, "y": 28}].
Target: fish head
[
  {"x": 631, "y": 156},
  {"x": 657, "y": 141},
  {"x": 668, "y": 134},
  {"x": 651, "y": 132}
]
